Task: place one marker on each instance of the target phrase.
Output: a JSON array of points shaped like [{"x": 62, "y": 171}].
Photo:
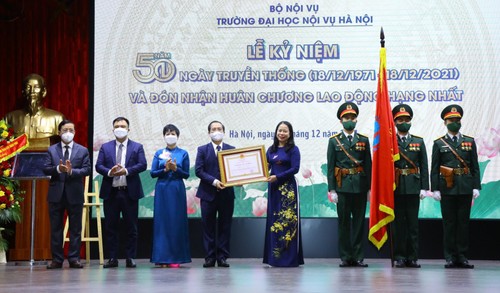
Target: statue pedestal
[
  {"x": 39, "y": 144},
  {"x": 21, "y": 249}
]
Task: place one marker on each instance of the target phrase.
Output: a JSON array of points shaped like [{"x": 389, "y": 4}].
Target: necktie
[
  {"x": 455, "y": 139},
  {"x": 403, "y": 139},
  {"x": 218, "y": 148},
  {"x": 66, "y": 153},
  {"x": 349, "y": 137},
  {"x": 119, "y": 154}
]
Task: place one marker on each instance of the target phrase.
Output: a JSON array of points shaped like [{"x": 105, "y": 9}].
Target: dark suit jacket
[
  {"x": 73, "y": 183},
  {"x": 135, "y": 162},
  {"x": 207, "y": 169}
]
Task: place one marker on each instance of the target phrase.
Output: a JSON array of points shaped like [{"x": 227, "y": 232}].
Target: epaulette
[
  {"x": 417, "y": 136},
  {"x": 362, "y": 135},
  {"x": 335, "y": 134},
  {"x": 468, "y": 136},
  {"x": 440, "y": 137}
]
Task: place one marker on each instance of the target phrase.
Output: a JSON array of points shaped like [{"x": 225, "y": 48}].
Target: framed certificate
[{"x": 242, "y": 166}]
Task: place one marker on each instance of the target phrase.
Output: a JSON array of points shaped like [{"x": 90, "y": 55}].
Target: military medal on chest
[
  {"x": 466, "y": 146},
  {"x": 360, "y": 146},
  {"x": 414, "y": 147}
]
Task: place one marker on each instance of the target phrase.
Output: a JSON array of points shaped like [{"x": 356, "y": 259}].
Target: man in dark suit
[
  {"x": 455, "y": 181},
  {"x": 217, "y": 200},
  {"x": 349, "y": 177},
  {"x": 119, "y": 162},
  {"x": 412, "y": 181},
  {"x": 67, "y": 163}
]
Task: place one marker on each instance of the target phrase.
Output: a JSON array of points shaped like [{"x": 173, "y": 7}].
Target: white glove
[
  {"x": 475, "y": 193},
  {"x": 423, "y": 194},
  {"x": 437, "y": 195},
  {"x": 368, "y": 196},
  {"x": 333, "y": 196}
]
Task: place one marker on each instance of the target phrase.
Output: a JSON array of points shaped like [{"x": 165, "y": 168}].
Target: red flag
[{"x": 385, "y": 152}]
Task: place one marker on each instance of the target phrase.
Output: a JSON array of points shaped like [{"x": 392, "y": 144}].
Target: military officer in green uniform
[
  {"x": 349, "y": 178},
  {"x": 455, "y": 181},
  {"x": 412, "y": 183}
]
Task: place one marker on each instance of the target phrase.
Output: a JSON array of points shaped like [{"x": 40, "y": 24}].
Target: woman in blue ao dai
[
  {"x": 283, "y": 241},
  {"x": 170, "y": 223}
]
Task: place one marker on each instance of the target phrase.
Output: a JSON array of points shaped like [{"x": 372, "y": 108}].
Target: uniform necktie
[
  {"x": 218, "y": 148},
  {"x": 66, "y": 153},
  {"x": 403, "y": 139},
  {"x": 455, "y": 139},
  {"x": 349, "y": 137},
  {"x": 119, "y": 154}
]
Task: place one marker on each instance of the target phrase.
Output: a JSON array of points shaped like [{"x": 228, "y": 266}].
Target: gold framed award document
[{"x": 243, "y": 165}]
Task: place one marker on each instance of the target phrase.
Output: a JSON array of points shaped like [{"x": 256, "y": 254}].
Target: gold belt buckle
[
  {"x": 352, "y": 171},
  {"x": 458, "y": 171},
  {"x": 405, "y": 172}
]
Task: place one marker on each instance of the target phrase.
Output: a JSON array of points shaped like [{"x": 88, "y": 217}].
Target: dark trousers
[
  {"x": 56, "y": 217},
  {"x": 216, "y": 219},
  {"x": 455, "y": 210},
  {"x": 351, "y": 209},
  {"x": 119, "y": 202},
  {"x": 406, "y": 226}
]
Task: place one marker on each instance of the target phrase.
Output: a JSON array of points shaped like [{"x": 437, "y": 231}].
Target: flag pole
[
  {"x": 391, "y": 249},
  {"x": 382, "y": 38},
  {"x": 385, "y": 153},
  {"x": 391, "y": 244}
]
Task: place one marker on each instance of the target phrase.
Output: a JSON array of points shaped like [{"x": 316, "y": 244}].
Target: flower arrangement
[{"x": 10, "y": 194}]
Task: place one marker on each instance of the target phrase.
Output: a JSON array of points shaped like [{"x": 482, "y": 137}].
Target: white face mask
[
  {"x": 120, "y": 132},
  {"x": 170, "y": 139},
  {"x": 67, "y": 137},
  {"x": 217, "y": 136}
]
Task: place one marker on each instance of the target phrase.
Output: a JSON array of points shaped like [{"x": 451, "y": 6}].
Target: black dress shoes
[
  {"x": 54, "y": 265},
  {"x": 450, "y": 265},
  {"x": 344, "y": 264},
  {"x": 222, "y": 263},
  {"x": 209, "y": 263},
  {"x": 112, "y": 263},
  {"x": 359, "y": 263},
  {"x": 412, "y": 264},
  {"x": 400, "y": 263},
  {"x": 131, "y": 263},
  {"x": 465, "y": 265},
  {"x": 75, "y": 265}
]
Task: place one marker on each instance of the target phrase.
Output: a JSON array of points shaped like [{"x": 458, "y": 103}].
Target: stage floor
[{"x": 250, "y": 275}]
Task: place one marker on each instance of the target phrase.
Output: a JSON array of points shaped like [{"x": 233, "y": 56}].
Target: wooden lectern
[{"x": 25, "y": 248}]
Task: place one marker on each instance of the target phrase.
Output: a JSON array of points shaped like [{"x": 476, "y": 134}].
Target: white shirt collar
[
  {"x": 69, "y": 144},
  {"x": 407, "y": 136},
  {"x": 347, "y": 134},
  {"x": 214, "y": 146},
  {"x": 125, "y": 142}
]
